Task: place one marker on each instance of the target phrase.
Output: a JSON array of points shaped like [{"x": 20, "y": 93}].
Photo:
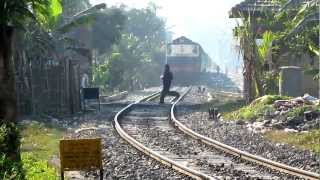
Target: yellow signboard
[{"x": 80, "y": 154}]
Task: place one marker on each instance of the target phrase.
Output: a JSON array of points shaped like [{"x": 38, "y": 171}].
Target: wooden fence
[{"x": 47, "y": 86}]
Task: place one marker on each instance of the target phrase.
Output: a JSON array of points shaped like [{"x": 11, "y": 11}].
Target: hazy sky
[{"x": 203, "y": 21}]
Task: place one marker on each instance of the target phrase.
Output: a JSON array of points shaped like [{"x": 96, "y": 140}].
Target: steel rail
[
  {"x": 149, "y": 152},
  {"x": 242, "y": 154},
  {"x": 151, "y": 97}
]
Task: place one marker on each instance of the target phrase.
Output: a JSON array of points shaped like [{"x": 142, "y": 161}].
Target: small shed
[{"x": 254, "y": 8}]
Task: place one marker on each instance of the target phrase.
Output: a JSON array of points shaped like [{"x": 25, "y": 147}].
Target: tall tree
[
  {"x": 247, "y": 49},
  {"x": 140, "y": 49},
  {"x": 14, "y": 14}
]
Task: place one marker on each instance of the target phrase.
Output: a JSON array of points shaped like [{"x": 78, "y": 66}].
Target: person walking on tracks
[{"x": 166, "y": 81}]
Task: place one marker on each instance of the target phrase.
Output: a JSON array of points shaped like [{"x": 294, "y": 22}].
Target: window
[{"x": 195, "y": 50}]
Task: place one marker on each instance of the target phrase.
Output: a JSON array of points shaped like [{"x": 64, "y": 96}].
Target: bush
[
  {"x": 10, "y": 168},
  {"x": 299, "y": 111},
  {"x": 257, "y": 108},
  {"x": 36, "y": 168},
  {"x": 9, "y": 138}
]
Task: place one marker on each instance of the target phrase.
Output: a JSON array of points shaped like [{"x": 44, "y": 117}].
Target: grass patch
[
  {"x": 36, "y": 168},
  {"x": 256, "y": 109},
  {"x": 310, "y": 140},
  {"x": 299, "y": 111},
  {"x": 38, "y": 144}
]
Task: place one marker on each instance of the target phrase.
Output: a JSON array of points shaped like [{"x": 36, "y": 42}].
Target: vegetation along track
[
  {"x": 146, "y": 127},
  {"x": 242, "y": 154}
]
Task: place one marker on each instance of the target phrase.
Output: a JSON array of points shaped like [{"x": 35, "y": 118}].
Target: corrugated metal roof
[{"x": 253, "y": 8}]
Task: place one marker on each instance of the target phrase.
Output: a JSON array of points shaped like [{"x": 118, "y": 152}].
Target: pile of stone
[
  {"x": 284, "y": 106},
  {"x": 278, "y": 117},
  {"x": 288, "y": 124}
]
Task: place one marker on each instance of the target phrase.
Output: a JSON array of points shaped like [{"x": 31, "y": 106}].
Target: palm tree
[
  {"x": 247, "y": 47},
  {"x": 296, "y": 28}
]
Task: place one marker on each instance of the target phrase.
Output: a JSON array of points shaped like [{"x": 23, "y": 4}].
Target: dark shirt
[{"x": 167, "y": 78}]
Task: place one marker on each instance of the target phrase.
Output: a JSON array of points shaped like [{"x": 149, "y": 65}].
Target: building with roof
[{"x": 253, "y": 10}]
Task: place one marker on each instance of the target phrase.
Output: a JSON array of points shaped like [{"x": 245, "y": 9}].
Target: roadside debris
[
  {"x": 292, "y": 115},
  {"x": 285, "y": 105}
]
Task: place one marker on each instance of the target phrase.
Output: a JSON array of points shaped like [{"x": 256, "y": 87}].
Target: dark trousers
[{"x": 166, "y": 92}]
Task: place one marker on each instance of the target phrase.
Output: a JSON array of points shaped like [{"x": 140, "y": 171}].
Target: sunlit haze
[{"x": 203, "y": 21}]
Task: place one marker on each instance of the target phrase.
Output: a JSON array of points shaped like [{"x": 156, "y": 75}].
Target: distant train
[{"x": 187, "y": 60}]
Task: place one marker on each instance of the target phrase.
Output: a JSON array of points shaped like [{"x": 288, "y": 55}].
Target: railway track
[
  {"x": 244, "y": 155},
  {"x": 130, "y": 136},
  {"x": 141, "y": 123}
]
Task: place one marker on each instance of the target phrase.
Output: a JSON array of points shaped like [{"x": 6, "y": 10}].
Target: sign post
[{"x": 80, "y": 154}]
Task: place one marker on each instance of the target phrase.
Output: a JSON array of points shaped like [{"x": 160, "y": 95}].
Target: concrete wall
[
  {"x": 308, "y": 85},
  {"x": 290, "y": 81}
]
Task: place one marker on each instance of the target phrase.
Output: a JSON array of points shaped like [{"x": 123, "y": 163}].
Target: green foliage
[
  {"x": 9, "y": 143},
  {"x": 36, "y": 168},
  {"x": 265, "y": 103},
  {"x": 298, "y": 111},
  {"x": 256, "y": 109},
  {"x": 55, "y": 8},
  {"x": 9, "y": 138},
  {"x": 31, "y": 168},
  {"x": 309, "y": 140},
  {"x": 136, "y": 60},
  {"x": 301, "y": 28},
  {"x": 15, "y": 12},
  {"x": 103, "y": 38},
  {"x": 40, "y": 139},
  {"x": 10, "y": 169},
  {"x": 294, "y": 28},
  {"x": 39, "y": 143},
  {"x": 269, "y": 99},
  {"x": 266, "y": 45},
  {"x": 248, "y": 112},
  {"x": 105, "y": 25},
  {"x": 49, "y": 14},
  {"x": 100, "y": 75}
]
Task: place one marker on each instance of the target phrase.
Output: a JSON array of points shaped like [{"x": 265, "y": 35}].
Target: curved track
[
  {"x": 149, "y": 152},
  {"x": 140, "y": 115},
  {"x": 242, "y": 154}
]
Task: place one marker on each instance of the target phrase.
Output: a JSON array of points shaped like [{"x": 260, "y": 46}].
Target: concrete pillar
[{"x": 290, "y": 81}]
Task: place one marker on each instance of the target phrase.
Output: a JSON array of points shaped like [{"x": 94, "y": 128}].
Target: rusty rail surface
[{"x": 242, "y": 154}]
